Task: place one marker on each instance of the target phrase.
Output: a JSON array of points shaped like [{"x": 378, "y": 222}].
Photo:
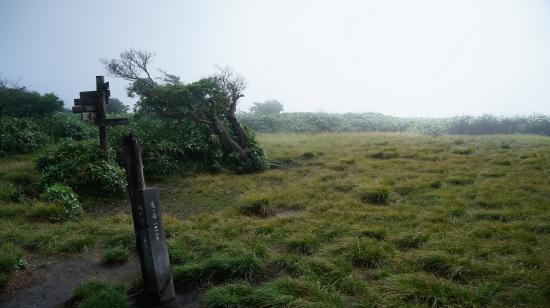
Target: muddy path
[{"x": 50, "y": 282}]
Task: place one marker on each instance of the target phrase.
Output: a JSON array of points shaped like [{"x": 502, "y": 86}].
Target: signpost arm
[{"x": 102, "y": 112}]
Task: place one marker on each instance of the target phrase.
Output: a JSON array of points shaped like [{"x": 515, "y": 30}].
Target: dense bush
[
  {"x": 20, "y": 102},
  {"x": 83, "y": 166},
  {"x": 184, "y": 147},
  {"x": 65, "y": 196},
  {"x": 367, "y": 122},
  {"x": 20, "y": 136},
  {"x": 62, "y": 125}
]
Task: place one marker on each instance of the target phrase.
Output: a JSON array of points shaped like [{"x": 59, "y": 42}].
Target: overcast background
[{"x": 405, "y": 58}]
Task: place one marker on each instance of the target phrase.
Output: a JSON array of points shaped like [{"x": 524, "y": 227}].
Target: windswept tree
[{"x": 210, "y": 101}]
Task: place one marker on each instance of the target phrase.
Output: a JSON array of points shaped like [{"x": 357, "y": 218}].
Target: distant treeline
[{"x": 375, "y": 122}]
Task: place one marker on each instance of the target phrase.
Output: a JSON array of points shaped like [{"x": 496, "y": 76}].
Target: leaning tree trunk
[
  {"x": 227, "y": 142},
  {"x": 241, "y": 133}
]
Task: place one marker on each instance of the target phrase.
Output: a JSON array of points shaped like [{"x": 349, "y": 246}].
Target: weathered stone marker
[
  {"x": 92, "y": 105},
  {"x": 148, "y": 226}
]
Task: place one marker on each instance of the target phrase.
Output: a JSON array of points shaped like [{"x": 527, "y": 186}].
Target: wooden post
[
  {"x": 150, "y": 237},
  {"x": 102, "y": 112}
]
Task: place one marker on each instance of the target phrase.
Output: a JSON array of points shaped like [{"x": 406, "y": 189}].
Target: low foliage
[
  {"x": 83, "y": 166},
  {"x": 19, "y": 136},
  {"x": 65, "y": 196},
  {"x": 374, "y": 122},
  {"x": 62, "y": 125}
]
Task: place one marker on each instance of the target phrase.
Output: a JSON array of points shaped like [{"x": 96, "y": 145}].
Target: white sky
[{"x": 405, "y": 58}]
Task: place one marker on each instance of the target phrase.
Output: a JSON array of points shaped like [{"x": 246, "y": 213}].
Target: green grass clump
[
  {"x": 410, "y": 241},
  {"x": 375, "y": 195},
  {"x": 463, "y": 151},
  {"x": 10, "y": 258},
  {"x": 460, "y": 180},
  {"x": 219, "y": 268},
  {"x": 373, "y": 232},
  {"x": 257, "y": 205},
  {"x": 124, "y": 238},
  {"x": 426, "y": 290},
  {"x": 306, "y": 244},
  {"x": 95, "y": 293},
  {"x": 384, "y": 155},
  {"x": 116, "y": 254},
  {"x": 441, "y": 264},
  {"x": 77, "y": 243},
  {"x": 12, "y": 210},
  {"x": 52, "y": 212},
  {"x": 367, "y": 253},
  {"x": 283, "y": 292}
]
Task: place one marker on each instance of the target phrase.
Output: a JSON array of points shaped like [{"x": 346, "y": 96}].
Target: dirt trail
[{"x": 50, "y": 282}]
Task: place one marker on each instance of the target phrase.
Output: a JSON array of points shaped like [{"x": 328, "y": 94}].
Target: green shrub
[
  {"x": 65, "y": 196},
  {"x": 84, "y": 167},
  {"x": 376, "y": 195},
  {"x": 19, "y": 136},
  {"x": 95, "y": 293},
  {"x": 373, "y": 122},
  {"x": 62, "y": 125}
]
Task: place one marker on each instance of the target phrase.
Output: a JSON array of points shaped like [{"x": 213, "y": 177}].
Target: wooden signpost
[
  {"x": 148, "y": 226},
  {"x": 92, "y": 105},
  {"x": 146, "y": 211}
]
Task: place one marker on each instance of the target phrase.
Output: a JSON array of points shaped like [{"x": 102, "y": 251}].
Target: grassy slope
[{"x": 349, "y": 219}]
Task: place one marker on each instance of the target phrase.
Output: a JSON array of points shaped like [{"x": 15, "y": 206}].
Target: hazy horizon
[{"x": 399, "y": 58}]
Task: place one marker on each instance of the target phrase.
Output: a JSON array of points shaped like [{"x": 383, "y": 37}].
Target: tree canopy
[
  {"x": 17, "y": 101},
  {"x": 116, "y": 106},
  {"x": 270, "y": 106}
]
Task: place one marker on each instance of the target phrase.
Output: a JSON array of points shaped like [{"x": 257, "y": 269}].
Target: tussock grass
[
  {"x": 219, "y": 268},
  {"x": 96, "y": 293},
  {"x": 116, "y": 254},
  {"x": 257, "y": 205},
  {"x": 304, "y": 244},
  {"x": 410, "y": 241},
  {"x": 367, "y": 253},
  {"x": 375, "y": 195}
]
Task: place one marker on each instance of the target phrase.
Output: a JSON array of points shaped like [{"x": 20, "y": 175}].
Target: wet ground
[{"x": 50, "y": 282}]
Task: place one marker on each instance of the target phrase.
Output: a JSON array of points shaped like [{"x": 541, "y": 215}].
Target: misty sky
[{"x": 405, "y": 58}]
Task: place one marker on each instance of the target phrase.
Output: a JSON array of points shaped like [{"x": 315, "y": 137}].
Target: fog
[{"x": 404, "y": 58}]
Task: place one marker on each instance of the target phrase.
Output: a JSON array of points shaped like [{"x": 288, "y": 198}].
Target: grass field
[{"x": 340, "y": 220}]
